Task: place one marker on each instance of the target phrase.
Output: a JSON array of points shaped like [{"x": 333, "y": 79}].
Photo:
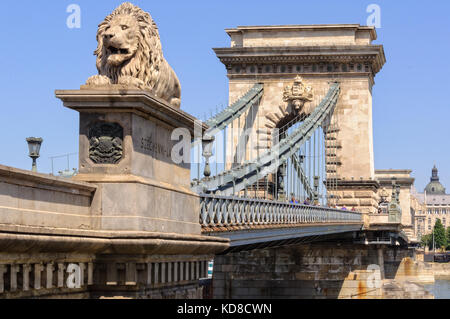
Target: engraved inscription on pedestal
[
  {"x": 105, "y": 143},
  {"x": 149, "y": 145}
]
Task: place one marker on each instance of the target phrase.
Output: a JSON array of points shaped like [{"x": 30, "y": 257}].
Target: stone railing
[
  {"x": 219, "y": 211},
  {"x": 38, "y": 200}
]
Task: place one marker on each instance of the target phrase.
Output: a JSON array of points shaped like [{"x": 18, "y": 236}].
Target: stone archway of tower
[{"x": 282, "y": 116}]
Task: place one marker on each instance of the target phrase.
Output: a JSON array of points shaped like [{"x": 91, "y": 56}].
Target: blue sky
[{"x": 40, "y": 54}]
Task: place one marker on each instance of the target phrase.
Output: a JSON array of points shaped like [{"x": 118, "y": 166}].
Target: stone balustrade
[
  {"x": 219, "y": 211},
  {"x": 46, "y": 275}
]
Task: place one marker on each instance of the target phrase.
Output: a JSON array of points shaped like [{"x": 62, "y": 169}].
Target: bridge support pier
[{"x": 322, "y": 270}]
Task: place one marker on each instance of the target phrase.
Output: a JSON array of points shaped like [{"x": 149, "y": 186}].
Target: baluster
[
  {"x": 217, "y": 209},
  {"x": 280, "y": 213},
  {"x": 246, "y": 219},
  {"x": 265, "y": 214},
  {"x": 262, "y": 213},
  {"x": 240, "y": 204},
  {"x": 306, "y": 212},
  {"x": 290, "y": 210},
  {"x": 271, "y": 214},
  {"x": 294, "y": 215},
  {"x": 219, "y": 214},
  {"x": 240, "y": 214},
  {"x": 224, "y": 213},
  {"x": 231, "y": 216},
  {"x": 230, "y": 212},
  {"x": 253, "y": 208},
  {"x": 203, "y": 213},
  {"x": 258, "y": 213},
  {"x": 288, "y": 214},
  {"x": 235, "y": 212},
  {"x": 250, "y": 206},
  {"x": 210, "y": 208},
  {"x": 278, "y": 216}
]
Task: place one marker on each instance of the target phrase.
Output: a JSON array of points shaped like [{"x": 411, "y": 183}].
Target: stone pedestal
[
  {"x": 143, "y": 210},
  {"x": 126, "y": 149}
]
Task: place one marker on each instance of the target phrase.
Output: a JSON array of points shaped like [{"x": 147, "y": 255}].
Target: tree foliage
[
  {"x": 448, "y": 238},
  {"x": 440, "y": 237},
  {"x": 427, "y": 240}
]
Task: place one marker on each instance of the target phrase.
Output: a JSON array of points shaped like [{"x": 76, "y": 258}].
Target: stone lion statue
[{"x": 129, "y": 54}]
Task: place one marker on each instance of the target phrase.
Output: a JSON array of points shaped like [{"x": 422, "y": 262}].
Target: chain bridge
[
  {"x": 280, "y": 191},
  {"x": 232, "y": 203}
]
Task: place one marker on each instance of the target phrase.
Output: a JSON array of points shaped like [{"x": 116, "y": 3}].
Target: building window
[
  {"x": 429, "y": 227},
  {"x": 444, "y": 211},
  {"x": 444, "y": 221},
  {"x": 436, "y": 211},
  {"x": 429, "y": 212}
]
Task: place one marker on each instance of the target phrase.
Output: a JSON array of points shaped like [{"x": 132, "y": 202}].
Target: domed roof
[{"x": 435, "y": 187}]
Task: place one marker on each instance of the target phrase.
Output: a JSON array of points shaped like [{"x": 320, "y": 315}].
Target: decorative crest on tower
[{"x": 298, "y": 94}]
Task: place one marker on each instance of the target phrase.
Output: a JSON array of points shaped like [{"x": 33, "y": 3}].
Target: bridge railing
[{"x": 221, "y": 211}]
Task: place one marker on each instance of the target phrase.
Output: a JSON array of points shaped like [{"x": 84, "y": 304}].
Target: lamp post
[{"x": 34, "y": 147}]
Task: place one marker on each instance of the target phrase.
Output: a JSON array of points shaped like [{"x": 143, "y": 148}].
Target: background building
[{"x": 430, "y": 205}]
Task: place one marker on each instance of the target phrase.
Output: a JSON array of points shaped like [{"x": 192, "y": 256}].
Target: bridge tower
[{"x": 320, "y": 54}]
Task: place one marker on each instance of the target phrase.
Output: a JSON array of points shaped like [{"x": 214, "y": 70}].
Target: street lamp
[{"x": 34, "y": 146}]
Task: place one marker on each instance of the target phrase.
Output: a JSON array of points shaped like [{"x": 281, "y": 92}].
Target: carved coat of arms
[
  {"x": 298, "y": 94},
  {"x": 105, "y": 143}
]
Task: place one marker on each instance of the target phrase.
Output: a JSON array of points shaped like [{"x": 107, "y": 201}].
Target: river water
[{"x": 440, "y": 289}]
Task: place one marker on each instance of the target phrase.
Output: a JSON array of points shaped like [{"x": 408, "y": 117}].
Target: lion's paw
[
  {"x": 131, "y": 82},
  {"x": 98, "y": 80}
]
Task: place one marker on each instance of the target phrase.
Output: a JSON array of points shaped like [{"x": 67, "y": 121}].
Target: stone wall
[
  {"x": 440, "y": 270},
  {"x": 38, "y": 200},
  {"x": 314, "y": 271}
]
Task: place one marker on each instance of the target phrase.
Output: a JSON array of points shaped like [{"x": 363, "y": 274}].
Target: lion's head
[{"x": 129, "y": 53}]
